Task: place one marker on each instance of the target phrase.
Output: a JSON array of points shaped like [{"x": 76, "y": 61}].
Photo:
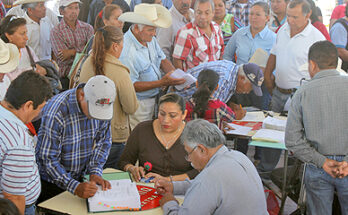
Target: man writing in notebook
[
  {"x": 74, "y": 139},
  {"x": 227, "y": 179},
  {"x": 316, "y": 130}
]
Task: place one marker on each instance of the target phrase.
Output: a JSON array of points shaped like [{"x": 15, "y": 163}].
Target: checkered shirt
[
  {"x": 242, "y": 13},
  {"x": 193, "y": 46},
  {"x": 63, "y": 37}
]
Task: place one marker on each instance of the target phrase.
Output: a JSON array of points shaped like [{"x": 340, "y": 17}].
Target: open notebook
[{"x": 123, "y": 195}]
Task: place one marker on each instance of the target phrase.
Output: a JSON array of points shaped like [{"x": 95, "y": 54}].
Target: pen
[{"x": 240, "y": 106}]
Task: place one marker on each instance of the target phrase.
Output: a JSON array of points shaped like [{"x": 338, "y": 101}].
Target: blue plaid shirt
[
  {"x": 69, "y": 144},
  {"x": 227, "y": 71}
]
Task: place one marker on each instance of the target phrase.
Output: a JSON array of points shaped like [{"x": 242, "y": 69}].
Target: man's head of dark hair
[
  {"x": 28, "y": 86},
  {"x": 306, "y": 7},
  {"x": 324, "y": 54}
]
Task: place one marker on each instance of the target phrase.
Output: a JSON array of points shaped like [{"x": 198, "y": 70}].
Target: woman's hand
[
  {"x": 136, "y": 171},
  {"x": 39, "y": 69},
  {"x": 226, "y": 127}
]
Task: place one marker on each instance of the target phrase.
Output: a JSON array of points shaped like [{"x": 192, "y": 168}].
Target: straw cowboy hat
[
  {"x": 18, "y": 2},
  {"x": 148, "y": 14},
  {"x": 9, "y": 57}
]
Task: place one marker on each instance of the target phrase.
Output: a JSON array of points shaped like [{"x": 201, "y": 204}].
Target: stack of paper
[
  {"x": 274, "y": 123},
  {"x": 269, "y": 135},
  {"x": 239, "y": 130},
  {"x": 178, "y": 73},
  {"x": 257, "y": 116},
  {"x": 123, "y": 195}
]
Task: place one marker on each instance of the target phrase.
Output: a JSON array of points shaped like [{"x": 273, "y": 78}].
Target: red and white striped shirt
[{"x": 19, "y": 174}]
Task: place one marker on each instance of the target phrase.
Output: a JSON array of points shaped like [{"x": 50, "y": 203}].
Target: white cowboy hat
[
  {"x": 148, "y": 14},
  {"x": 18, "y": 2},
  {"x": 9, "y": 57}
]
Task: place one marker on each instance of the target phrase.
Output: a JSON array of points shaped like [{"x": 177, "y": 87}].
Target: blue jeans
[
  {"x": 30, "y": 210},
  {"x": 320, "y": 187},
  {"x": 114, "y": 155}
]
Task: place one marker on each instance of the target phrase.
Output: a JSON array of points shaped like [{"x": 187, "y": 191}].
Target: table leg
[{"x": 284, "y": 194}]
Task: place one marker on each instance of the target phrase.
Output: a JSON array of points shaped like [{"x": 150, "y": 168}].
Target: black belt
[
  {"x": 28, "y": 206},
  {"x": 118, "y": 143},
  {"x": 286, "y": 91}
]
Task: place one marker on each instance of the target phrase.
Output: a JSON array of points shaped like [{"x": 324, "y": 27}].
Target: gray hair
[
  {"x": 200, "y": 131},
  {"x": 204, "y": 1},
  {"x": 140, "y": 26},
  {"x": 29, "y": 5},
  {"x": 306, "y": 7}
]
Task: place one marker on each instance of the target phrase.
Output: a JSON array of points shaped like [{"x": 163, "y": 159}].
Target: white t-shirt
[
  {"x": 292, "y": 55},
  {"x": 4, "y": 84}
]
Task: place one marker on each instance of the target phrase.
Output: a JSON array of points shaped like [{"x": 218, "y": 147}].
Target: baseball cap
[
  {"x": 65, "y": 3},
  {"x": 100, "y": 93},
  {"x": 255, "y": 76}
]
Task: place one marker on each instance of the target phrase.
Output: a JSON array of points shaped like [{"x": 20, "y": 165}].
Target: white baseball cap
[
  {"x": 65, "y": 3},
  {"x": 100, "y": 93}
]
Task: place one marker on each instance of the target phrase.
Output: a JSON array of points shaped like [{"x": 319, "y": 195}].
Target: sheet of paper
[
  {"x": 274, "y": 123},
  {"x": 239, "y": 130},
  {"x": 256, "y": 116},
  {"x": 269, "y": 135},
  {"x": 123, "y": 195},
  {"x": 268, "y": 145},
  {"x": 178, "y": 73}
]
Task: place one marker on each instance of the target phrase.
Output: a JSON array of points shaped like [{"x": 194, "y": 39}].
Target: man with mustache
[
  {"x": 69, "y": 37},
  {"x": 181, "y": 15}
]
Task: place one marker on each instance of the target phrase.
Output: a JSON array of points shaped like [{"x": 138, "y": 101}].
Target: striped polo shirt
[{"x": 19, "y": 174}]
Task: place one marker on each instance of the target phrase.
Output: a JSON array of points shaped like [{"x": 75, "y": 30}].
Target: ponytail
[
  {"x": 207, "y": 82},
  {"x": 103, "y": 39}
]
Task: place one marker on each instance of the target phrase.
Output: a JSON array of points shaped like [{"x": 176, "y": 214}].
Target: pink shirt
[{"x": 338, "y": 12}]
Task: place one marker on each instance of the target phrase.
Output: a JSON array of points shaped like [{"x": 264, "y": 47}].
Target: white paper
[
  {"x": 123, "y": 193},
  {"x": 269, "y": 135},
  {"x": 178, "y": 73},
  {"x": 256, "y": 116},
  {"x": 260, "y": 58},
  {"x": 274, "y": 123},
  {"x": 239, "y": 130}
]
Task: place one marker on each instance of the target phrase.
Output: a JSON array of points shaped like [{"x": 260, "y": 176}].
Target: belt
[
  {"x": 286, "y": 91},
  {"x": 118, "y": 143},
  {"x": 28, "y": 206}
]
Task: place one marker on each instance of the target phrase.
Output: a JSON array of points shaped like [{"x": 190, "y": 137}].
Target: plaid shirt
[
  {"x": 69, "y": 144},
  {"x": 63, "y": 37},
  {"x": 193, "y": 46},
  {"x": 216, "y": 112},
  {"x": 242, "y": 13},
  {"x": 227, "y": 71}
]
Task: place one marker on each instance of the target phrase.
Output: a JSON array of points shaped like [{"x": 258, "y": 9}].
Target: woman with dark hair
[
  {"x": 13, "y": 30},
  {"x": 107, "y": 47},
  {"x": 316, "y": 21},
  {"x": 201, "y": 106},
  {"x": 109, "y": 16},
  {"x": 157, "y": 142}
]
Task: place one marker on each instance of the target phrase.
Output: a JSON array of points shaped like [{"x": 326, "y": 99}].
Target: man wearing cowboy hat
[
  {"x": 39, "y": 26},
  {"x": 143, "y": 56},
  {"x": 9, "y": 60},
  {"x": 24, "y": 99}
]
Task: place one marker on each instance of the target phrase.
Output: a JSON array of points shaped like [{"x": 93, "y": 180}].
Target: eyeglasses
[
  {"x": 188, "y": 154},
  {"x": 11, "y": 19}
]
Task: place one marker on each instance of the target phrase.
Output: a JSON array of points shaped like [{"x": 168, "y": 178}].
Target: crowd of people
[{"x": 95, "y": 88}]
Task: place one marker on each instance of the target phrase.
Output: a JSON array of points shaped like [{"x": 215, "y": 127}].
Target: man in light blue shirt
[
  {"x": 226, "y": 182},
  {"x": 143, "y": 56}
]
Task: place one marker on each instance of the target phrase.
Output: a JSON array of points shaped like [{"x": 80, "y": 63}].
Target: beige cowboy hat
[
  {"x": 148, "y": 14},
  {"x": 18, "y": 2},
  {"x": 9, "y": 57}
]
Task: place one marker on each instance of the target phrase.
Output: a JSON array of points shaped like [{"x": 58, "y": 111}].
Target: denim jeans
[
  {"x": 30, "y": 210},
  {"x": 114, "y": 155},
  {"x": 320, "y": 187}
]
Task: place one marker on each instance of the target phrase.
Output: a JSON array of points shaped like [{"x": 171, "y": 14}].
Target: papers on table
[
  {"x": 269, "y": 135},
  {"x": 274, "y": 123},
  {"x": 239, "y": 130},
  {"x": 257, "y": 116},
  {"x": 123, "y": 195},
  {"x": 178, "y": 73}
]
